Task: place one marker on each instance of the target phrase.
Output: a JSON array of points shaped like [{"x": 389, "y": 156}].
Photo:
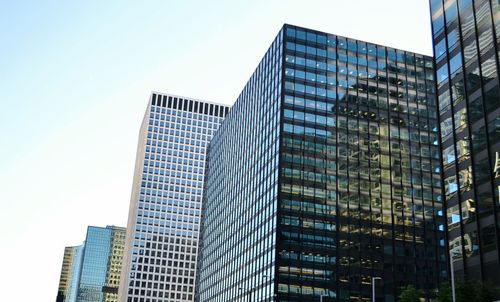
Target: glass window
[
  {"x": 463, "y": 149},
  {"x": 440, "y": 48},
  {"x": 453, "y": 217},
  {"x": 479, "y": 139},
  {"x": 489, "y": 238},
  {"x": 438, "y": 22},
  {"x": 482, "y": 171},
  {"x": 442, "y": 74},
  {"x": 444, "y": 101},
  {"x": 446, "y": 128},
  {"x": 450, "y": 185},
  {"x": 463, "y": 4},
  {"x": 492, "y": 98},
  {"x": 494, "y": 130},
  {"x": 476, "y": 110},
  {"x": 470, "y": 51},
  {"x": 450, "y": 12},
  {"x": 300, "y": 34},
  {"x": 473, "y": 80},
  {"x": 452, "y": 38},
  {"x": 449, "y": 155},
  {"x": 471, "y": 245},
  {"x": 461, "y": 118},
  {"x": 465, "y": 179},
  {"x": 456, "y": 62},
  {"x": 457, "y": 91}
]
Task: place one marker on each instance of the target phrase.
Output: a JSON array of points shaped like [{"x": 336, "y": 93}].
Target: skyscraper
[
  {"x": 91, "y": 271},
  {"x": 466, "y": 36},
  {"x": 70, "y": 271},
  {"x": 101, "y": 264},
  {"x": 325, "y": 177},
  {"x": 165, "y": 207}
]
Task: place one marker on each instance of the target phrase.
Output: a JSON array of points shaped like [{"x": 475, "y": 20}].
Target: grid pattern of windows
[
  {"x": 101, "y": 263},
  {"x": 164, "y": 217},
  {"x": 466, "y": 36},
  {"x": 360, "y": 174},
  {"x": 240, "y": 202},
  {"x": 70, "y": 274},
  {"x": 114, "y": 268},
  {"x": 75, "y": 273},
  {"x": 66, "y": 274},
  {"x": 359, "y": 191}
]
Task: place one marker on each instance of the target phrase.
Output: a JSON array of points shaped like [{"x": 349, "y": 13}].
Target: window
[
  {"x": 446, "y": 128},
  {"x": 442, "y": 74},
  {"x": 450, "y": 185},
  {"x": 449, "y": 155},
  {"x": 440, "y": 48},
  {"x": 455, "y": 62},
  {"x": 461, "y": 118}
]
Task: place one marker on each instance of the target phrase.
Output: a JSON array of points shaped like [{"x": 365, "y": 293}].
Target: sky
[{"x": 75, "y": 78}]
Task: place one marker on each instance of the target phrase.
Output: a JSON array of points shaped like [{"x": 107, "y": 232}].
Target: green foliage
[
  {"x": 469, "y": 291},
  {"x": 444, "y": 294},
  {"x": 410, "y": 294}
]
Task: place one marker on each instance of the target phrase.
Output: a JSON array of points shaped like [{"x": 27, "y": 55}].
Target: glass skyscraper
[
  {"x": 101, "y": 264},
  {"x": 325, "y": 176},
  {"x": 466, "y": 36},
  {"x": 165, "y": 208},
  {"x": 91, "y": 272}
]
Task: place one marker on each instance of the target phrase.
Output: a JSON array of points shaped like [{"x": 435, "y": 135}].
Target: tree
[
  {"x": 410, "y": 294},
  {"x": 469, "y": 291},
  {"x": 444, "y": 294}
]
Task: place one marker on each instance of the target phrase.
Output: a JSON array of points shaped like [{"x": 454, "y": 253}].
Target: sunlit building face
[{"x": 165, "y": 208}]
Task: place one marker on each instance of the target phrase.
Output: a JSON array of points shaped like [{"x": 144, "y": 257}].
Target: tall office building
[
  {"x": 101, "y": 264},
  {"x": 91, "y": 272},
  {"x": 69, "y": 274},
  {"x": 164, "y": 215},
  {"x": 325, "y": 176},
  {"x": 466, "y": 37}
]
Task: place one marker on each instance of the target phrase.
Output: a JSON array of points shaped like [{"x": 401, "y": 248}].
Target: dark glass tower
[
  {"x": 324, "y": 176},
  {"x": 466, "y": 37}
]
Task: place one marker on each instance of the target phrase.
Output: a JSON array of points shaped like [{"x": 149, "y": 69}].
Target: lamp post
[
  {"x": 373, "y": 287},
  {"x": 452, "y": 273}
]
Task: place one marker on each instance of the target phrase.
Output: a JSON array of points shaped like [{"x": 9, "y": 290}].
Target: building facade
[
  {"x": 466, "y": 36},
  {"x": 101, "y": 264},
  {"x": 91, "y": 271},
  {"x": 165, "y": 208},
  {"x": 69, "y": 274},
  {"x": 325, "y": 176}
]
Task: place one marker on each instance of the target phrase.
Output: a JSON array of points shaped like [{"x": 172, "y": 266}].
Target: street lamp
[
  {"x": 454, "y": 299},
  {"x": 373, "y": 287}
]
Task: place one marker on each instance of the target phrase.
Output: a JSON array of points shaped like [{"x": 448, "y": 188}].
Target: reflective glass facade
[
  {"x": 325, "y": 174},
  {"x": 466, "y": 37},
  {"x": 70, "y": 273},
  {"x": 101, "y": 264},
  {"x": 238, "y": 252},
  {"x": 165, "y": 208}
]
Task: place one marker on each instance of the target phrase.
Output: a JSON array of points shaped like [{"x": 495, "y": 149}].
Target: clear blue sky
[{"x": 75, "y": 77}]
